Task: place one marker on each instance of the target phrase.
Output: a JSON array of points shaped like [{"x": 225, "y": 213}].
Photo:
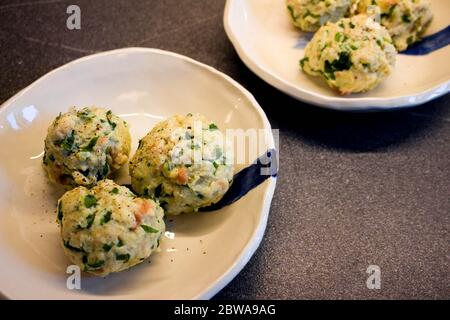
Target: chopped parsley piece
[
  {"x": 60, "y": 212},
  {"x": 199, "y": 195},
  {"x": 91, "y": 144},
  {"x": 291, "y": 12},
  {"x": 108, "y": 117},
  {"x": 68, "y": 143},
  {"x": 120, "y": 243},
  {"x": 106, "y": 218},
  {"x": 96, "y": 265},
  {"x": 309, "y": 13},
  {"x": 123, "y": 257},
  {"x": 149, "y": 229},
  {"x": 158, "y": 191},
  {"x": 90, "y": 201},
  {"x": 105, "y": 170},
  {"x": 107, "y": 247},
  {"x": 90, "y": 220},
  {"x": 68, "y": 246},
  {"x": 340, "y": 37},
  {"x": 389, "y": 13},
  {"x": 342, "y": 63},
  {"x": 85, "y": 115},
  {"x": 213, "y": 126},
  {"x": 115, "y": 190},
  {"x": 406, "y": 18},
  {"x": 303, "y": 61}
]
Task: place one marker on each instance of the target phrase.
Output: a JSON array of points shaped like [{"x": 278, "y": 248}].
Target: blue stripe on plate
[
  {"x": 248, "y": 178},
  {"x": 430, "y": 43},
  {"x": 303, "y": 40}
]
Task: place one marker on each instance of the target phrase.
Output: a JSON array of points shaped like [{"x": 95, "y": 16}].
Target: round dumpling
[
  {"x": 309, "y": 15},
  {"x": 85, "y": 146},
  {"x": 184, "y": 163},
  {"x": 406, "y": 20},
  {"x": 353, "y": 55},
  {"x": 107, "y": 228}
]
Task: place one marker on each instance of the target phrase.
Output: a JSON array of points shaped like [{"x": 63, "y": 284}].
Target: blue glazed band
[
  {"x": 265, "y": 166},
  {"x": 430, "y": 43}
]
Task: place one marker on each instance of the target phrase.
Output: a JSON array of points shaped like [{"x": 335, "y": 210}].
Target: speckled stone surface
[{"x": 353, "y": 189}]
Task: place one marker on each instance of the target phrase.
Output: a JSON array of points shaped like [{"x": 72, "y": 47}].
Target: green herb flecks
[
  {"x": 106, "y": 218},
  {"x": 67, "y": 143},
  {"x": 379, "y": 43},
  {"x": 199, "y": 195},
  {"x": 406, "y": 18},
  {"x": 388, "y": 14},
  {"x": 213, "y": 126},
  {"x": 292, "y": 13},
  {"x": 85, "y": 114},
  {"x": 107, "y": 247},
  {"x": 96, "y": 265},
  {"x": 115, "y": 190},
  {"x": 123, "y": 257},
  {"x": 91, "y": 144},
  {"x": 303, "y": 61},
  {"x": 149, "y": 229},
  {"x": 310, "y": 14},
  {"x": 158, "y": 191},
  {"x": 89, "y": 221},
  {"x": 340, "y": 37},
  {"x": 90, "y": 201},
  {"x": 59, "y": 211},
  {"x": 72, "y": 248},
  {"x": 342, "y": 63},
  {"x": 109, "y": 117}
]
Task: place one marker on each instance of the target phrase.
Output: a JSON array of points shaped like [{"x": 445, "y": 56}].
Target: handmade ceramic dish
[
  {"x": 267, "y": 42},
  {"x": 200, "y": 253}
]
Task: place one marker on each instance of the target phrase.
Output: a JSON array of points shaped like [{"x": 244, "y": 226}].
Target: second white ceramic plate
[
  {"x": 201, "y": 252},
  {"x": 271, "y": 47}
]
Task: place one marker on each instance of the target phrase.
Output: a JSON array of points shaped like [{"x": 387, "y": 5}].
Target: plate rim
[
  {"x": 258, "y": 231},
  {"x": 328, "y": 102}
]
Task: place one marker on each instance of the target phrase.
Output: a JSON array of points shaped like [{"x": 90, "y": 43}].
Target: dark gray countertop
[{"x": 353, "y": 189}]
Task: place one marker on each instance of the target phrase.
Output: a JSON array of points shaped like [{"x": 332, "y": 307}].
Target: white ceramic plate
[
  {"x": 271, "y": 47},
  {"x": 143, "y": 86}
]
